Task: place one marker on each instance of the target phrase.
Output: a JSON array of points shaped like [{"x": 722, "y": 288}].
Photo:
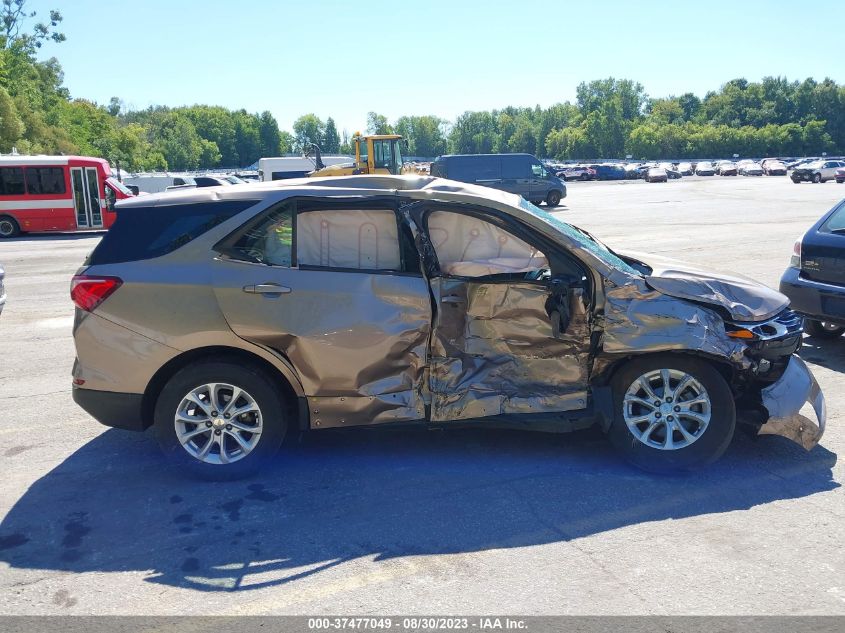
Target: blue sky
[{"x": 345, "y": 58}]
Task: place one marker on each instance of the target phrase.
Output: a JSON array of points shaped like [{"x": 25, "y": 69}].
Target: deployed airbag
[
  {"x": 364, "y": 240},
  {"x": 470, "y": 247}
]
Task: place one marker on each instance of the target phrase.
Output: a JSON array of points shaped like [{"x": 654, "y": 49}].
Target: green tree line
[{"x": 610, "y": 118}]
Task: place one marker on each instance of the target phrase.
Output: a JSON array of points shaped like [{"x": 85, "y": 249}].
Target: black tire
[
  {"x": 553, "y": 198},
  {"x": 9, "y": 227},
  {"x": 707, "y": 448},
  {"x": 817, "y": 178},
  {"x": 796, "y": 181},
  {"x": 817, "y": 329},
  {"x": 251, "y": 380},
  {"x": 585, "y": 177}
]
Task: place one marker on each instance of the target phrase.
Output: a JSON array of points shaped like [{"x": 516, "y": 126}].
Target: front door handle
[
  {"x": 452, "y": 299},
  {"x": 267, "y": 289}
]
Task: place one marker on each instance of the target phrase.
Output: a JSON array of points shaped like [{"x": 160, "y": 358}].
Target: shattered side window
[{"x": 596, "y": 248}]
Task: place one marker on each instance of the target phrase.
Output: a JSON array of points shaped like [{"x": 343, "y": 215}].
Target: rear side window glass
[
  {"x": 475, "y": 168},
  {"x": 516, "y": 167},
  {"x": 11, "y": 181},
  {"x": 356, "y": 239},
  {"x": 148, "y": 232},
  {"x": 836, "y": 222},
  {"x": 45, "y": 180},
  {"x": 269, "y": 242}
]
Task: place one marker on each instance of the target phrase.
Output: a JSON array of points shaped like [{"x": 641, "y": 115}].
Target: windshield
[
  {"x": 386, "y": 155},
  {"x": 235, "y": 180},
  {"x": 397, "y": 155},
  {"x": 362, "y": 150},
  {"x": 581, "y": 237},
  {"x": 119, "y": 186}
]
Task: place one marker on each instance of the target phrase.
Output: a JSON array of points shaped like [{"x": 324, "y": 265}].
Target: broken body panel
[{"x": 374, "y": 347}]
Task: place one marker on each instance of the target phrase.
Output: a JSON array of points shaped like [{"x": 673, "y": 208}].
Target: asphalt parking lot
[{"x": 459, "y": 522}]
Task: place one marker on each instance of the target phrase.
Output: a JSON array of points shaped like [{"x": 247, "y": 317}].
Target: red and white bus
[{"x": 57, "y": 193}]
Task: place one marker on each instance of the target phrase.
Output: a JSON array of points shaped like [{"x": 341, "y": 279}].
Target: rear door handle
[{"x": 267, "y": 289}]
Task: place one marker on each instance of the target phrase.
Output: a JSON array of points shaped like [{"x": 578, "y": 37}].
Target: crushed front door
[{"x": 509, "y": 336}]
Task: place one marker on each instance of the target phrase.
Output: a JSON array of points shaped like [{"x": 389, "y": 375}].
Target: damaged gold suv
[{"x": 229, "y": 317}]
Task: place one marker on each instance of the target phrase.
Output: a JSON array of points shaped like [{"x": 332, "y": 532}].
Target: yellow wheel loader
[{"x": 375, "y": 154}]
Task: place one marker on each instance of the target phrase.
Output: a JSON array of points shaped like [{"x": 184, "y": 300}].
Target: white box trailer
[
  {"x": 284, "y": 167},
  {"x": 158, "y": 182}
]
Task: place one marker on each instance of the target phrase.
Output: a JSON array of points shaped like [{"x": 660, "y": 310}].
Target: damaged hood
[{"x": 743, "y": 298}]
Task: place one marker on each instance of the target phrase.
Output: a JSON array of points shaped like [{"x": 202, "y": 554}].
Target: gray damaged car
[{"x": 229, "y": 317}]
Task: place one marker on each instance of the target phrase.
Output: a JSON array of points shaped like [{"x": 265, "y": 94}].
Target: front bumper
[
  {"x": 799, "y": 176},
  {"x": 784, "y": 400}
]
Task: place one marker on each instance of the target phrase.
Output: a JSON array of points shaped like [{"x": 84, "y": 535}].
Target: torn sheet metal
[
  {"x": 494, "y": 351},
  {"x": 639, "y": 320},
  {"x": 333, "y": 411},
  {"x": 745, "y": 299},
  {"x": 350, "y": 335},
  {"x": 784, "y": 400}
]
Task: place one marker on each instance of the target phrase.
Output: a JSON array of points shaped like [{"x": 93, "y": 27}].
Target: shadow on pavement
[
  {"x": 335, "y": 496},
  {"x": 828, "y": 353},
  {"x": 55, "y": 237}
]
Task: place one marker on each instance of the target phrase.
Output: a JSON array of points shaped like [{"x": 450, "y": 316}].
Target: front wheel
[
  {"x": 9, "y": 227},
  {"x": 817, "y": 178},
  {"x": 219, "y": 420},
  {"x": 672, "y": 413},
  {"x": 553, "y": 198},
  {"x": 823, "y": 329}
]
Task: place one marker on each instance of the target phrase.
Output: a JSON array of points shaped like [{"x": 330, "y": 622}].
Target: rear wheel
[
  {"x": 220, "y": 420},
  {"x": 9, "y": 227},
  {"x": 817, "y": 178},
  {"x": 823, "y": 329},
  {"x": 553, "y": 198},
  {"x": 672, "y": 413}
]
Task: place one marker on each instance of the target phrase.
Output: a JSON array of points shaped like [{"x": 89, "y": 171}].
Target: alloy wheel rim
[
  {"x": 830, "y": 327},
  {"x": 218, "y": 423},
  {"x": 667, "y": 409}
]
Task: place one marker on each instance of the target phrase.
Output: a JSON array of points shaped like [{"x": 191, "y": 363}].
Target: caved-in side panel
[
  {"x": 333, "y": 411},
  {"x": 638, "y": 320},
  {"x": 347, "y": 334},
  {"x": 494, "y": 352}
]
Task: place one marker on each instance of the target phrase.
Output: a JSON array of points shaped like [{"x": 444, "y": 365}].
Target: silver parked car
[
  {"x": 819, "y": 171},
  {"x": 228, "y": 317}
]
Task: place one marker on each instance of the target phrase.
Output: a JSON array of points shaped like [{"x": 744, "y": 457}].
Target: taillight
[
  {"x": 795, "y": 260},
  {"x": 87, "y": 292}
]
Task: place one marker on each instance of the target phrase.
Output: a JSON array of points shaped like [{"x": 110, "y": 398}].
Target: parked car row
[{"x": 806, "y": 169}]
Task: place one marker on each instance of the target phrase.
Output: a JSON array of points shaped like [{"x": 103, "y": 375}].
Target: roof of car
[
  {"x": 331, "y": 186},
  {"x": 417, "y": 187}
]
